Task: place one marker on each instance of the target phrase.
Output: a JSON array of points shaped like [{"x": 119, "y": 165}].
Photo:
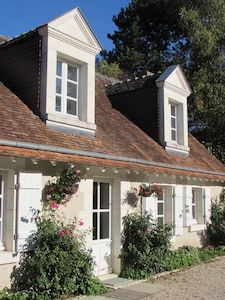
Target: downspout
[{"x": 16, "y": 189}]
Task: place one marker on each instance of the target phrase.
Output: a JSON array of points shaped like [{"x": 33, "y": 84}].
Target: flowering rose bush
[
  {"x": 146, "y": 190},
  {"x": 58, "y": 264},
  {"x": 60, "y": 189},
  {"x": 146, "y": 245}
]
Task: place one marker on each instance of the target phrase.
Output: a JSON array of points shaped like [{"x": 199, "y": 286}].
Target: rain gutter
[{"x": 65, "y": 150}]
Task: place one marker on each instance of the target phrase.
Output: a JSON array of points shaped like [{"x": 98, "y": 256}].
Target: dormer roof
[
  {"x": 174, "y": 78},
  {"x": 74, "y": 24}
]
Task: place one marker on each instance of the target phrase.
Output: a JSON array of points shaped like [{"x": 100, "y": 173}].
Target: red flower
[
  {"x": 67, "y": 231},
  {"x": 61, "y": 233},
  {"x": 54, "y": 205},
  {"x": 81, "y": 223},
  {"x": 148, "y": 229}
]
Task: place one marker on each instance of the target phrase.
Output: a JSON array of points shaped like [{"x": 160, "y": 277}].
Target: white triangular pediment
[
  {"x": 74, "y": 25},
  {"x": 174, "y": 77}
]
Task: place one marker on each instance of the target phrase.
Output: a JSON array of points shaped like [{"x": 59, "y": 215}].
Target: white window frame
[
  {"x": 194, "y": 205},
  {"x": 98, "y": 210},
  {"x": 160, "y": 200},
  {"x": 63, "y": 77},
  {"x": 173, "y": 120}
]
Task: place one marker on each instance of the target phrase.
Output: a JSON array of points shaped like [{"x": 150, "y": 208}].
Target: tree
[
  {"x": 154, "y": 34},
  {"x": 110, "y": 70},
  {"x": 148, "y": 34},
  {"x": 204, "y": 24}
]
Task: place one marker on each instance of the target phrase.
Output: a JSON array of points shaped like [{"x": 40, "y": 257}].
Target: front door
[{"x": 101, "y": 227}]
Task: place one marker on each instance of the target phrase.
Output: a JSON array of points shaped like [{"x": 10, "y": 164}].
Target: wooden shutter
[{"x": 28, "y": 207}]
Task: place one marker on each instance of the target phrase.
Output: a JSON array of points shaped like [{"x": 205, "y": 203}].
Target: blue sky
[{"x": 19, "y": 16}]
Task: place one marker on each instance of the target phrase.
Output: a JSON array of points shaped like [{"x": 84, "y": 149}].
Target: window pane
[
  {"x": 160, "y": 208},
  {"x": 193, "y": 212},
  {"x": 173, "y": 135},
  {"x": 72, "y": 73},
  {"x": 104, "y": 195},
  {"x": 104, "y": 225},
  {"x": 95, "y": 224},
  {"x": 95, "y": 195},
  {"x": 160, "y": 220},
  {"x": 173, "y": 110},
  {"x": 71, "y": 107},
  {"x": 58, "y": 86},
  {"x": 58, "y": 106},
  {"x": 59, "y": 68},
  {"x": 71, "y": 90},
  {"x": 173, "y": 123}
]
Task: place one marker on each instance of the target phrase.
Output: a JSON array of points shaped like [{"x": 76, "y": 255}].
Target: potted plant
[
  {"x": 60, "y": 189},
  {"x": 146, "y": 190}
]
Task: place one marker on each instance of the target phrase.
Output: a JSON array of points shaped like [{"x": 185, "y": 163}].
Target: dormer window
[
  {"x": 66, "y": 88},
  {"x": 173, "y": 90},
  {"x": 67, "y": 99},
  {"x": 173, "y": 117}
]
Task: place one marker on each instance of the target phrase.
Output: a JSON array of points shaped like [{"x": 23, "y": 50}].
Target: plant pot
[
  {"x": 146, "y": 194},
  {"x": 72, "y": 189}
]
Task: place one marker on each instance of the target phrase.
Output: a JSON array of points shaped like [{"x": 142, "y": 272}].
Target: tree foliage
[{"x": 153, "y": 34}]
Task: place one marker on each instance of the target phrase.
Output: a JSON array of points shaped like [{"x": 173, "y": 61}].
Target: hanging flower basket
[
  {"x": 62, "y": 187},
  {"x": 72, "y": 189},
  {"x": 146, "y": 190}
]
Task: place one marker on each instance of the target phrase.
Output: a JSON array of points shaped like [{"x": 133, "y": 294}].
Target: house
[{"x": 56, "y": 112}]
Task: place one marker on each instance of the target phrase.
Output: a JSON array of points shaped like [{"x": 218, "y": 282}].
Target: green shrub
[
  {"x": 58, "y": 265},
  {"x": 7, "y": 294},
  {"x": 206, "y": 254},
  {"x": 182, "y": 258},
  {"x": 216, "y": 230},
  {"x": 145, "y": 247}
]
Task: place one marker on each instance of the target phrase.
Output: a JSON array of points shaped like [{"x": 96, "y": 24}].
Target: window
[
  {"x": 101, "y": 211},
  {"x": 160, "y": 209},
  {"x": 173, "y": 117},
  {"x": 66, "y": 88},
  {"x": 197, "y": 206},
  {"x": 193, "y": 204}
]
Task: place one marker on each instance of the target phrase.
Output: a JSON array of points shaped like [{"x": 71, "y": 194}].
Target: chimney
[{"x": 4, "y": 39}]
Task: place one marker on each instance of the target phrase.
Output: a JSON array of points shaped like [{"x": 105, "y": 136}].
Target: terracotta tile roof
[{"x": 118, "y": 142}]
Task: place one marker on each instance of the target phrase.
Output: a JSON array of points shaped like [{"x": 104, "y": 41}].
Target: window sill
[
  {"x": 71, "y": 125},
  {"x": 176, "y": 148},
  {"x": 197, "y": 227}
]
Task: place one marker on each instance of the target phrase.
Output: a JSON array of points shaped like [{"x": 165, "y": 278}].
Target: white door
[
  {"x": 101, "y": 228},
  {"x": 29, "y": 207}
]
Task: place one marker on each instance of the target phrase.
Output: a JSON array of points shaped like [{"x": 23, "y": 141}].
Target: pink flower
[
  {"x": 221, "y": 225},
  {"x": 78, "y": 171},
  {"x": 67, "y": 231},
  {"x": 148, "y": 229},
  {"x": 54, "y": 205},
  {"x": 61, "y": 233},
  {"x": 81, "y": 223},
  {"x": 138, "y": 231},
  {"x": 48, "y": 197},
  {"x": 209, "y": 247}
]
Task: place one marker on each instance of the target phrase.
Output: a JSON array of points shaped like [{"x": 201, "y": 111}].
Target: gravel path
[{"x": 203, "y": 282}]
